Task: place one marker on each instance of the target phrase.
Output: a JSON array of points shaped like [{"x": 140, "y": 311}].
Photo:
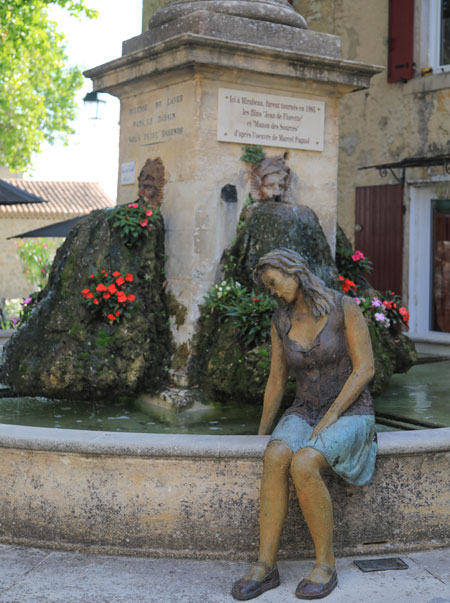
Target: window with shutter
[{"x": 401, "y": 40}]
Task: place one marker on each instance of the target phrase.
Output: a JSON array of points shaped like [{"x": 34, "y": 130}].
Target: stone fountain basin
[{"x": 197, "y": 496}]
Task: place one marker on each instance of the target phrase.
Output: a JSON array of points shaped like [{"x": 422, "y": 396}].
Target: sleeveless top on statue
[{"x": 321, "y": 371}]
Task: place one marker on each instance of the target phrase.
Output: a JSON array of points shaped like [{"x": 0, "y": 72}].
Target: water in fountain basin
[{"x": 422, "y": 393}]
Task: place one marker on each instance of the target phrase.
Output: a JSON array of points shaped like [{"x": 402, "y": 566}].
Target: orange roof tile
[{"x": 62, "y": 199}]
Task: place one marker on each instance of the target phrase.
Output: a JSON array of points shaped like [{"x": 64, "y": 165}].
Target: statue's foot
[
  {"x": 318, "y": 584},
  {"x": 260, "y": 578}
]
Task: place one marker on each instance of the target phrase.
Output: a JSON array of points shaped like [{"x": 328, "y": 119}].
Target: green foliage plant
[
  {"x": 250, "y": 312},
  {"x": 352, "y": 264},
  {"x": 253, "y": 154},
  {"x": 134, "y": 221},
  {"x": 28, "y": 305},
  {"x": 37, "y": 91},
  {"x": 37, "y": 256}
]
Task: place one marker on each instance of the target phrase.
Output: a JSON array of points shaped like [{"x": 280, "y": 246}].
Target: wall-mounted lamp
[{"x": 94, "y": 105}]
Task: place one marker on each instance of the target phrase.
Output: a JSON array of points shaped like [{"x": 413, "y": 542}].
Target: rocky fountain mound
[
  {"x": 71, "y": 347},
  {"x": 231, "y": 365}
]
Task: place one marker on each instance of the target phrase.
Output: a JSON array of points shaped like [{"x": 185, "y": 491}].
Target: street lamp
[{"x": 93, "y": 105}]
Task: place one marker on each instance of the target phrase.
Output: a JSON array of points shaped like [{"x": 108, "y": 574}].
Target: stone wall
[
  {"x": 197, "y": 496},
  {"x": 13, "y": 283}
]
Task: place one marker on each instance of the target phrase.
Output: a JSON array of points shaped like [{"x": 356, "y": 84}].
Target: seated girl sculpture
[{"x": 321, "y": 336}]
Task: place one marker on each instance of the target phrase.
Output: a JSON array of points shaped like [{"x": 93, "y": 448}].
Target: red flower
[
  {"x": 117, "y": 313},
  {"x": 120, "y": 280},
  {"x": 96, "y": 302},
  {"x": 149, "y": 213},
  {"x": 143, "y": 223},
  {"x": 347, "y": 284},
  {"x": 358, "y": 255},
  {"x": 92, "y": 276},
  {"x": 121, "y": 297},
  {"x": 89, "y": 295},
  {"x": 85, "y": 291},
  {"x": 129, "y": 278},
  {"x": 133, "y": 205},
  {"x": 111, "y": 317},
  {"x": 100, "y": 287},
  {"x": 404, "y": 314},
  {"x": 255, "y": 299},
  {"x": 103, "y": 270},
  {"x": 106, "y": 295},
  {"x": 116, "y": 273},
  {"x": 131, "y": 297},
  {"x": 112, "y": 288}
]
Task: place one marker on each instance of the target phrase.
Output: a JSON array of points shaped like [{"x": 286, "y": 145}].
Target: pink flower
[
  {"x": 133, "y": 205},
  {"x": 144, "y": 223},
  {"x": 149, "y": 213},
  {"x": 376, "y": 302},
  {"x": 358, "y": 255},
  {"x": 357, "y": 300}
]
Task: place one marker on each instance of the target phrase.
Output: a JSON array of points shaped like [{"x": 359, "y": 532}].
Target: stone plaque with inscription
[
  {"x": 156, "y": 122},
  {"x": 276, "y": 121}
]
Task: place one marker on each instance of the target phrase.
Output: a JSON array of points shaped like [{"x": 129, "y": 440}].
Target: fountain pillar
[{"x": 207, "y": 77}]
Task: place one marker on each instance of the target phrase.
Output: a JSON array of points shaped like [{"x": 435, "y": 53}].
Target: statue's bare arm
[
  {"x": 275, "y": 384},
  {"x": 361, "y": 355}
]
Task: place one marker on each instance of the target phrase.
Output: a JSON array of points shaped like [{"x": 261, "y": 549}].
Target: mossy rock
[
  {"x": 224, "y": 367},
  {"x": 393, "y": 353},
  {"x": 64, "y": 351},
  {"x": 270, "y": 225}
]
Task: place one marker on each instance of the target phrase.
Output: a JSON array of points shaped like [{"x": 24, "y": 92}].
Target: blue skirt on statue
[{"x": 349, "y": 445}]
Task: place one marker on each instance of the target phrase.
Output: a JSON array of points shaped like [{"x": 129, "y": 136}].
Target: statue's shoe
[
  {"x": 246, "y": 588},
  {"x": 307, "y": 589}
]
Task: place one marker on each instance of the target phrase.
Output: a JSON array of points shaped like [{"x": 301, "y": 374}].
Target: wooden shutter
[
  {"x": 401, "y": 40},
  {"x": 379, "y": 233}
]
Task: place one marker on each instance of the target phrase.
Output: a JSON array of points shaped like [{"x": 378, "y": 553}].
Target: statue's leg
[
  {"x": 273, "y": 499},
  {"x": 263, "y": 575},
  {"x": 315, "y": 503}
]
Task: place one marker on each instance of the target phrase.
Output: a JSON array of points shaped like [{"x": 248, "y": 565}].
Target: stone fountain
[{"x": 207, "y": 77}]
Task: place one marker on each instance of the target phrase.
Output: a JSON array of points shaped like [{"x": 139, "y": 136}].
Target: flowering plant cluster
[
  {"x": 110, "y": 295},
  {"x": 134, "y": 221},
  {"x": 396, "y": 313},
  {"x": 373, "y": 309},
  {"x": 37, "y": 256},
  {"x": 352, "y": 264},
  {"x": 347, "y": 285},
  {"x": 384, "y": 311},
  {"x": 250, "y": 312}
]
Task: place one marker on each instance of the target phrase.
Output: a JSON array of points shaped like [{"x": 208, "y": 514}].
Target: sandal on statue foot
[
  {"x": 307, "y": 589},
  {"x": 247, "y": 588}
]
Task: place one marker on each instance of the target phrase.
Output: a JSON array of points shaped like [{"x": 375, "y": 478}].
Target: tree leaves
[{"x": 37, "y": 88}]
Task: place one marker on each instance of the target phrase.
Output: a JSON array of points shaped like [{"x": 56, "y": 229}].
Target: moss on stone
[
  {"x": 65, "y": 351},
  {"x": 175, "y": 309}
]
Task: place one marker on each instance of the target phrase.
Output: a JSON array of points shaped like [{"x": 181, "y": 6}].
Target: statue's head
[
  {"x": 290, "y": 264},
  {"x": 151, "y": 182},
  {"x": 271, "y": 179}
]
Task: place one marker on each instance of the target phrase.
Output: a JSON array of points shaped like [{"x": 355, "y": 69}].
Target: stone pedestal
[{"x": 169, "y": 81}]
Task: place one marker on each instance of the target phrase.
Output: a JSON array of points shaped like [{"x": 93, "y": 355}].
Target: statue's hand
[{"x": 328, "y": 419}]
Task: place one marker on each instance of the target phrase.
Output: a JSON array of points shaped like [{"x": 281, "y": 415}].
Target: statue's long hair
[{"x": 317, "y": 295}]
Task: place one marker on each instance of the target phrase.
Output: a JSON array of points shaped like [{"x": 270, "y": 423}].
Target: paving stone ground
[{"x": 41, "y": 576}]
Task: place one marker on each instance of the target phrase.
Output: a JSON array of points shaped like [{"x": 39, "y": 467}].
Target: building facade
[{"x": 399, "y": 214}]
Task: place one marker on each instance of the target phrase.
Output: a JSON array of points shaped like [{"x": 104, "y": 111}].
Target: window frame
[{"x": 435, "y": 34}]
